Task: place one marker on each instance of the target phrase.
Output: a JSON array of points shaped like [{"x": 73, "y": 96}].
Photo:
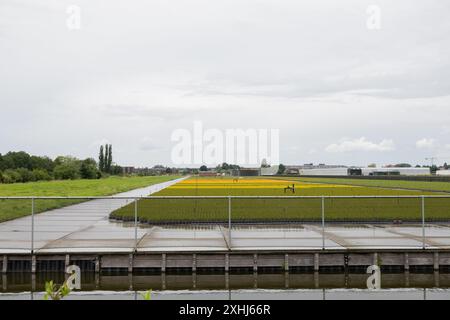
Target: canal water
[{"x": 234, "y": 286}]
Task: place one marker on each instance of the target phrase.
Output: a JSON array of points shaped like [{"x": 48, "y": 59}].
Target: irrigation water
[{"x": 420, "y": 285}]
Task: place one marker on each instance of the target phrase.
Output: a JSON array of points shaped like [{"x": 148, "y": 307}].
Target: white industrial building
[
  {"x": 324, "y": 172},
  {"x": 396, "y": 171},
  {"x": 342, "y": 171},
  {"x": 444, "y": 173}
]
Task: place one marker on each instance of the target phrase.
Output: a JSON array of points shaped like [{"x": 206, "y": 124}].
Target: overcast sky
[{"x": 340, "y": 92}]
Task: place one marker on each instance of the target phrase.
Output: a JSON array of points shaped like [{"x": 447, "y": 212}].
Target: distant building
[
  {"x": 316, "y": 170},
  {"x": 207, "y": 174},
  {"x": 330, "y": 170},
  {"x": 395, "y": 171},
  {"x": 247, "y": 172},
  {"x": 269, "y": 171},
  {"x": 445, "y": 173},
  {"x": 127, "y": 170}
]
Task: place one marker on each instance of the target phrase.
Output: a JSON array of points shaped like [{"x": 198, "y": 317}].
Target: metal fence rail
[{"x": 230, "y": 201}]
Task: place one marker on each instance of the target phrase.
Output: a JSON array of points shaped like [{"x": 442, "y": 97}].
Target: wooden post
[
  {"x": 194, "y": 262},
  {"x": 163, "y": 281},
  {"x": 316, "y": 262},
  {"x": 97, "y": 264},
  {"x": 375, "y": 259},
  {"x": 130, "y": 264},
  {"x": 194, "y": 280},
  {"x": 33, "y": 282},
  {"x": 227, "y": 262},
  {"x": 66, "y": 262},
  {"x": 4, "y": 282},
  {"x": 227, "y": 280},
  {"x": 163, "y": 263},
  {"x": 436, "y": 261},
  {"x": 406, "y": 261},
  {"x": 130, "y": 281},
  {"x": 316, "y": 280},
  {"x": 5, "y": 264},
  {"x": 286, "y": 262},
  {"x": 33, "y": 264},
  {"x": 255, "y": 263}
]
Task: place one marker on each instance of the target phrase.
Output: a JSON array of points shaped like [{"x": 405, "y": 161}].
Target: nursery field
[{"x": 295, "y": 204}]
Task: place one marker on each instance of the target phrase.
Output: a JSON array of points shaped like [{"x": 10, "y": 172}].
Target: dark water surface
[{"x": 219, "y": 281}]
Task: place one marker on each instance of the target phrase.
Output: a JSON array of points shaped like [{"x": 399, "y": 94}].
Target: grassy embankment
[
  {"x": 11, "y": 209},
  {"x": 184, "y": 210}
]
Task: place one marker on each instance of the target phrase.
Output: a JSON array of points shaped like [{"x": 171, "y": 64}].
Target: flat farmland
[
  {"x": 16, "y": 208},
  {"x": 289, "y": 208}
]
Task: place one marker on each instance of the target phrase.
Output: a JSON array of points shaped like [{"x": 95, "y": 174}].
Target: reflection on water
[{"x": 20, "y": 282}]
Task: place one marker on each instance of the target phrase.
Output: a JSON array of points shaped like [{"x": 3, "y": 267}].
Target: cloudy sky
[{"x": 340, "y": 90}]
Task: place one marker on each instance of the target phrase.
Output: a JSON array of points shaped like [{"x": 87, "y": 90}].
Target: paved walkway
[{"x": 76, "y": 226}]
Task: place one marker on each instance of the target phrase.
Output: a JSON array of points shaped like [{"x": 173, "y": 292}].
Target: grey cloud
[{"x": 144, "y": 69}]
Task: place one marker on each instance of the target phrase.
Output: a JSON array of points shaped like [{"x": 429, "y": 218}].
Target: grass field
[
  {"x": 11, "y": 209},
  {"x": 290, "y": 209}
]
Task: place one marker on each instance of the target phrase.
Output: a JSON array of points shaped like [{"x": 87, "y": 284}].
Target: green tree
[
  {"x": 15, "y": 160},
  {"x": 433, "y": 169},
  {"x": 116, "y": 170},
  {"x": 106, "y": 158},
  {"x": 67, "y": 168},
  {"x": 2, "y": 163},
  {"x": 44, "y": 163},
  {"x": 25, "y": 175},
  {"x": 203, "y": 168},
  {"x": 41, "y": 174},
  {"x": 66, "y": 172},
  {"x": 281, "y": 168},
  {"x": 101, "y": 160},
  {"x": 88, "y": 169},
  {"x": 11, "y": 176},
  {"x": 110, "y": 159}
]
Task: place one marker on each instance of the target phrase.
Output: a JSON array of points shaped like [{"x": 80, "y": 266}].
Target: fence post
[
  {"x": 32, "y": 225},
  {"x": 423, "y": 223},
  {"x": 323, "y": 223},
  {"x": 229, "y": 220},
  {"x": 135, "y": 224}
]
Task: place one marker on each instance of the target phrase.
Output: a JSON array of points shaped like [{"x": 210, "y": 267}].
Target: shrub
[
  {"x": 89, "y": 169},
  {"x": 25, "y": 175},
  {"x": 41, "y": 174},
  {"x": 11, "y": 176},
  {"x": 66, "y": 171}
]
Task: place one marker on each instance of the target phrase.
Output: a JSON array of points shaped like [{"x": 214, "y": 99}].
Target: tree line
[{"x": 23, "y": 167}]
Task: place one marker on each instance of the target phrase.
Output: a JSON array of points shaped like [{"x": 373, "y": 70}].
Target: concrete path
[{"x": 83, "y": 225}]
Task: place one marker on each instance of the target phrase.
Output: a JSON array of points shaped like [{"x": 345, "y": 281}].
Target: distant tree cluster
[
  {"x": 23, "y": 167},
  {"x": 105, "y": 159},
  {"x": 281, "y": 169},
  {"x": 225, "y": 166}
]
